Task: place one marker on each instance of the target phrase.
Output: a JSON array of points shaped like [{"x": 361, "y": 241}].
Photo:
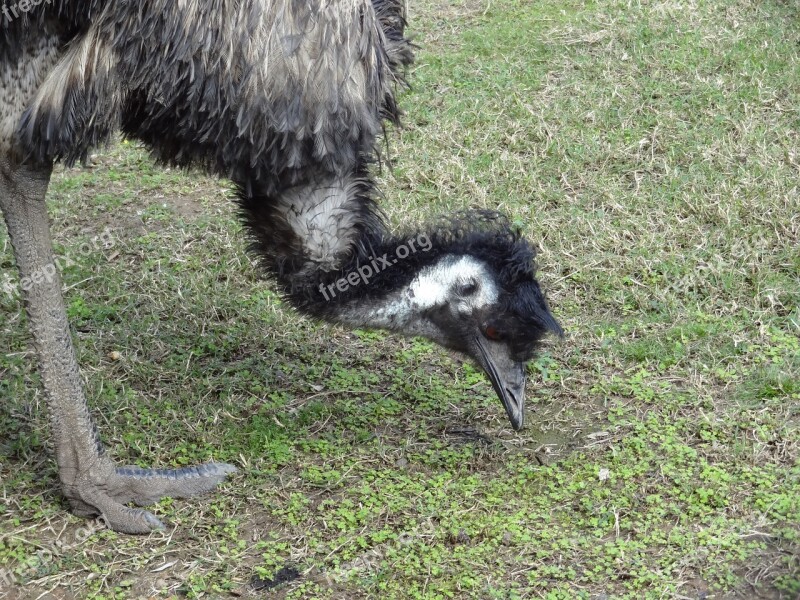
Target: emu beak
[{"x": 507, "y": 377}]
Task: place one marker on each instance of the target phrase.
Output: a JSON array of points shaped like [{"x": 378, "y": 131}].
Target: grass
[{"x": 651, "y": 149}]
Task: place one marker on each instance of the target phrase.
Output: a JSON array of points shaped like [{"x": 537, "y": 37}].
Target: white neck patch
[{"x": 436, "y": 285}]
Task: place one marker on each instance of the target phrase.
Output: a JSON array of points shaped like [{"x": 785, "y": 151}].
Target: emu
[{"x": 287, "y": 99}]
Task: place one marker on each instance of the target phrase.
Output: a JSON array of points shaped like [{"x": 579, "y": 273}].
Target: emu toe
[
  {"x": 146, "y": 486},
  {"x": 107, "y": 495}
]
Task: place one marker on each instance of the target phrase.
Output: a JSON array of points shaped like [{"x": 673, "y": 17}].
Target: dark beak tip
[
  {"x": 508, "y": 380},
  {"x": 516, "y": 412},
  {"x": 513, "y": 399}
]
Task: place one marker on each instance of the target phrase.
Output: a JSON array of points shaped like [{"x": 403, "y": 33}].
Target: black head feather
[{"x": 521, "y": 318}]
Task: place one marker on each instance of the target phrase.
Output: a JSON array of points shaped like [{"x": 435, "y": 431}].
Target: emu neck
[
  {"x": 368, "y": 295},
  {"x": 333, "y": 258}
]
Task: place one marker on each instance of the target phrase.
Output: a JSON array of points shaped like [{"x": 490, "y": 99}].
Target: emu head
[{"x": 481, "y": 298}]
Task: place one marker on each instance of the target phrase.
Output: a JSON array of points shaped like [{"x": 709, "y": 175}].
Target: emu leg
[{"x": 90, "y": 480}]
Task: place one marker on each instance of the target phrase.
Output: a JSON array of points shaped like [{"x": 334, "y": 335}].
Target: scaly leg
[{"x": 90, "y": 480}]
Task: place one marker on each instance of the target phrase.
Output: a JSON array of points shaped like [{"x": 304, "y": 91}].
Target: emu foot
[{"x": 107, "y": 489}]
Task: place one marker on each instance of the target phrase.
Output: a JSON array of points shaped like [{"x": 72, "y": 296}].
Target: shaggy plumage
[
  {"x": 288, "y": 99},
  {"x": 260, "y": 92}
]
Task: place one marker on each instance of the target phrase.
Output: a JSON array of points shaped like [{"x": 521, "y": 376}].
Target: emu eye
[
  {"x": 490, "y": 332},
  {"x": 468, "y": 288}
]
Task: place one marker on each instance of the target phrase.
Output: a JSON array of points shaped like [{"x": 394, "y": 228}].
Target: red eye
[{"x": 491, "y": 333}]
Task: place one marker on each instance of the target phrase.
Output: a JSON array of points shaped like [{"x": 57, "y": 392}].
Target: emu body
[{"x": 287, "y": 99}]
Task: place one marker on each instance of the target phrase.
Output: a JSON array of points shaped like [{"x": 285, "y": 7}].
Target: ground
[{"x": 650, "y": 148}]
